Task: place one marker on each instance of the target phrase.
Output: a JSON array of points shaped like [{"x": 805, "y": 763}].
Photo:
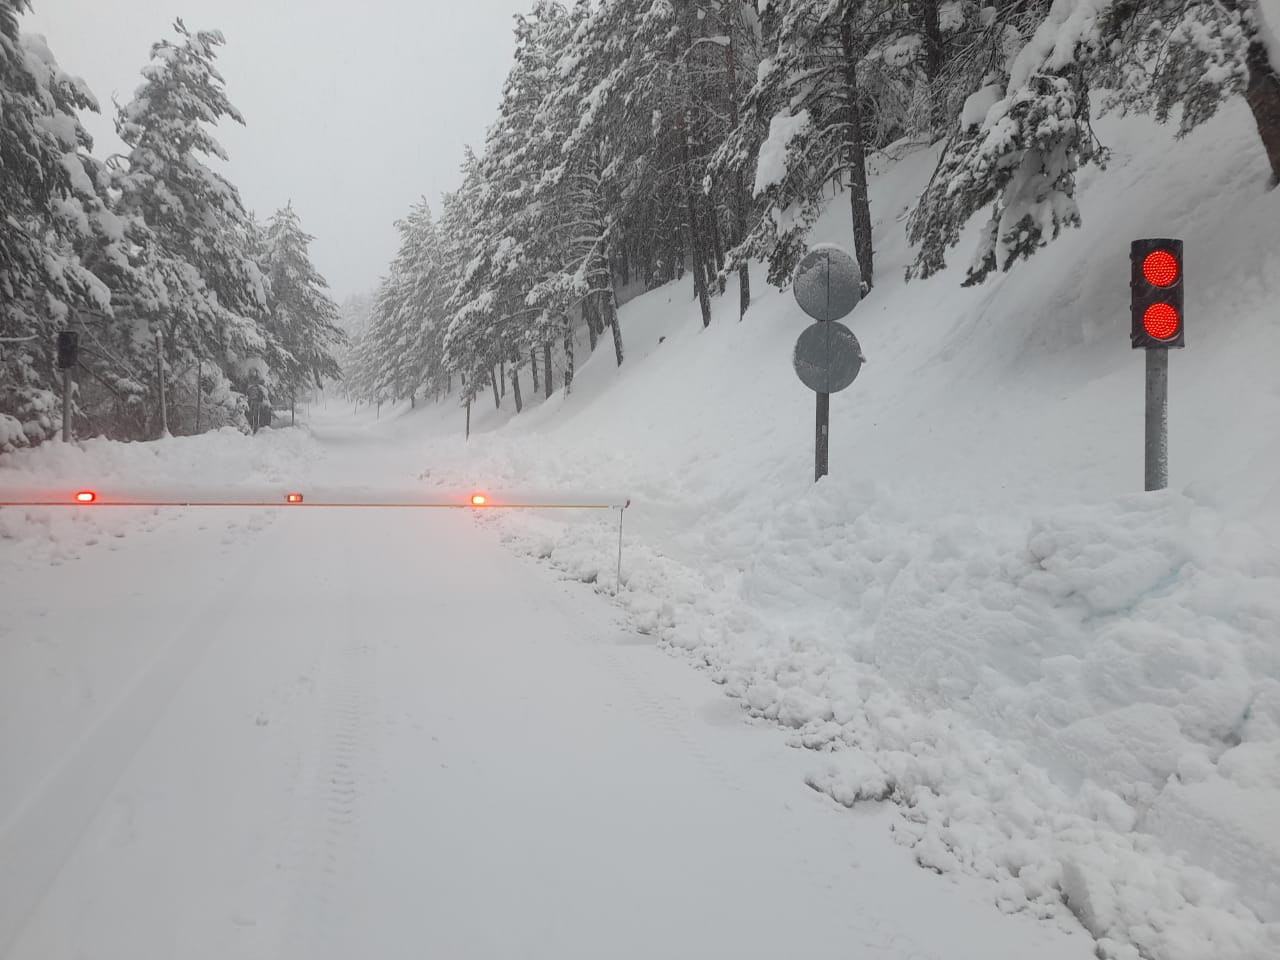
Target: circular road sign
[
  {"x": 827, "y": 283},
  {"x": 828, "y": 357}
]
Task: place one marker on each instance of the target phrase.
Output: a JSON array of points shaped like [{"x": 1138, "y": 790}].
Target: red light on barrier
[
  {"x": 86, "y": 496},
  {"x": 1161, "y": 321},
  {"x": 293, "y": 498},
  {"x": 479, "y": 500},
  {"x": 1160, "y": 268}
]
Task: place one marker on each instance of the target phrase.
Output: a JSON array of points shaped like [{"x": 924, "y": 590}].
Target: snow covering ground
[
  {"x": 1071, "y": 688},
  {"x": 1068, "y": 690},
  {"x": 296, "y": 733}
]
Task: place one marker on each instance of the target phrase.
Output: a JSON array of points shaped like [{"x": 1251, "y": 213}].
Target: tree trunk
[
  {"x": 694, "y": 233},
  {"x": 546, "y": 370},
  {"x": 515, "y": 388},
  {"x": 1263, "y": 95},
  {"x": 933, "y": 61},
  {"x": 502, "y": 375},
  {"x": 739, "y": 182},
  {"x": 493, "y": 381},
  {"x": 568, "y": 355},
  {"x": 609, "y": 310},
  {"x": 591, "y": 324},
  {"x": 533, "y": 367},
  {"x": 717, "y": 243},
  {"x": 859, "y": 201}
]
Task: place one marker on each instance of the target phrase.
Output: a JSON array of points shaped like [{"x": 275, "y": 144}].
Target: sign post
[
  {"x": 68, "y": 357},
  {"x": 1156, "y": 449},
  {"x": 827, "y": 357}
]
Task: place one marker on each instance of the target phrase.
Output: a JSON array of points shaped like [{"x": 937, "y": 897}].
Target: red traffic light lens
[
  {"x": 1161, "y": 321},
  {"x": 86, "y": 496},
  {"x": 479, "y": 500},
  {"x": 1160, "y": 268},
  {"x": 293, "y": 498}
]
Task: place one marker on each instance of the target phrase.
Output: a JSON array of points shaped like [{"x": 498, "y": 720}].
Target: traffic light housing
[
  {"x": 1156, "y": 294},
  {"x": 68, "y": 349}
]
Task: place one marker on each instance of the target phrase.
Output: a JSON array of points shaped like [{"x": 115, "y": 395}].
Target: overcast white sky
[{"x": 354, "y": 110}]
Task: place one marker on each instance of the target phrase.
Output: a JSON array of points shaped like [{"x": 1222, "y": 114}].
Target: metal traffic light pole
[
  {"x": 1157, "y": 438},
  {"x": 1156, "y": 307}
]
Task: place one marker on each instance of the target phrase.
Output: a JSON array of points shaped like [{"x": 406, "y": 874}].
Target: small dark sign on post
[
  {"x": 68, "y": 357},
  {"x": 827, "y": 357},
  {"x": 68, "y": 349}
]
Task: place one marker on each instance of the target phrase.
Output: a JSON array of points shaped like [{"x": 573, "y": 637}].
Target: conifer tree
[
  {"x": 58, "y": 220},
  {"x": 301, "y": 318},
  {"x": 213, "y": 294}
]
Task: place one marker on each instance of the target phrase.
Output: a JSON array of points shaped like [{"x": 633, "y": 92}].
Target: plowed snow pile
[{"x": 1072, "y": 687}]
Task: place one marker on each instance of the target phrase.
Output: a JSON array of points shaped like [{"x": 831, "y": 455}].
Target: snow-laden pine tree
[
  {"x": 476, "y": 336},
  {"x": 582, "y": 147},
  {"x": 213, "y": 295},
  {"x": 57, "y": 223},
  {"x": 1164, "y": 56},
  {"x": 355, "y": 313},
  {"x": 811, "y": 85},
  {"x": 517, "y": 219},
  {"x": 472, "y": 340},
  {"x": 640, "y": 89},
  {"x": 427, "y": 291},
  {"x": 733, "y": 163},
  {"x": 301, "y": 317},
  {"x": 1022, "y": 136},
  {"x": 407, "y": 317}
]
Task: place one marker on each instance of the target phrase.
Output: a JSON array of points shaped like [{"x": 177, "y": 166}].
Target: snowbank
[
  {"x": 1070, "y": 687},
  {"x": 44, "y": 534}
]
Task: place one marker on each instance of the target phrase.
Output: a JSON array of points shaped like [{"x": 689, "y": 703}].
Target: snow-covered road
[{"x": 375, "y": 733}]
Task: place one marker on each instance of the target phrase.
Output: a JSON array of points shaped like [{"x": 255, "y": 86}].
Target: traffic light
[
  {"x": 1156, "y": 291},
  {"x": 68, "y": 349}
]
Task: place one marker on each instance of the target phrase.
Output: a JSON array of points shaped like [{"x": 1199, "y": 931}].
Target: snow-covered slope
[{"x": 1071, "y": 686}]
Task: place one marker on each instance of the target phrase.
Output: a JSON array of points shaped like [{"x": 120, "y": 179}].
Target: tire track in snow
[
  {"x": 45, "y": 830},
  {"x": 327, "y": 832}
]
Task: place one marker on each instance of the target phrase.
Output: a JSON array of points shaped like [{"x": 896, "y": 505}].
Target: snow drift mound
[{"x": 1070, "y": 687}]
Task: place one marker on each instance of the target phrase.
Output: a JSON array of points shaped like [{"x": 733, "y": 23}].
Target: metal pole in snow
[
  {"x": 66, "y": 405},
  {"x": 618, "y": 582},
  {"x": 823, "y": 434},
  {"x": 1157, "y": 438},
  {"x": 824, "y": 405}
]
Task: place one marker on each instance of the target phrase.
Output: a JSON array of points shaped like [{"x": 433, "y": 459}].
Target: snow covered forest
[
  {"x": 151, "y": 256},
  {"x": 644, "y": 141},
  {"x": 637, "y": 142}
]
